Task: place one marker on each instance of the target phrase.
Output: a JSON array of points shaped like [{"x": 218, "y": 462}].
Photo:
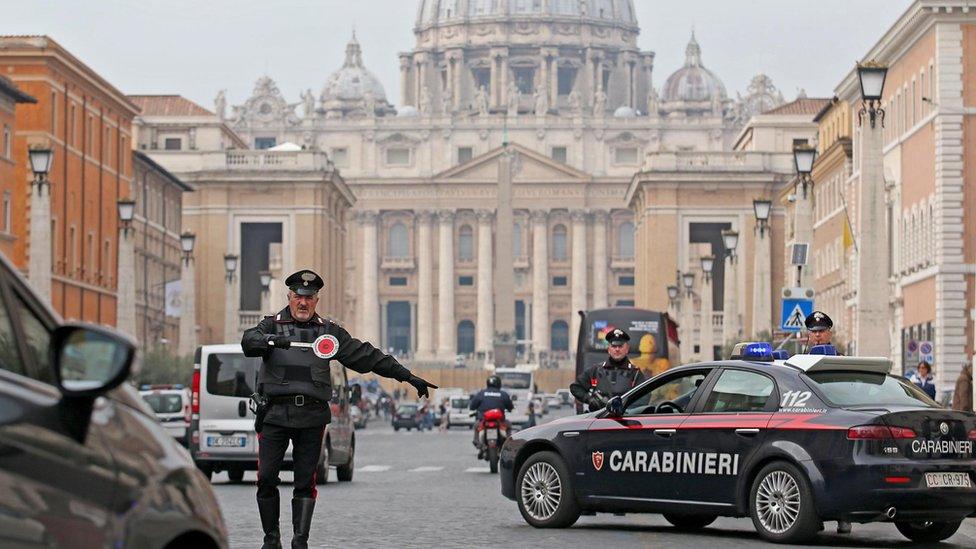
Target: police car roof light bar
[
  {"x": 758, "y": 351},
  {"x": 820, "y": 363}
]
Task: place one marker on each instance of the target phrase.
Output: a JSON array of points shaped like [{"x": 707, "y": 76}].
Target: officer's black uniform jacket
[
  {"x": 610, "y": 378},
  {"x": 489, "y": 399},
  {"x": 298, "y": 371}
]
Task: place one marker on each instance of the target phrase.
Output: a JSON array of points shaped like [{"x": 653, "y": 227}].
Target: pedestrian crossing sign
[{"x": 795, "y": 312}]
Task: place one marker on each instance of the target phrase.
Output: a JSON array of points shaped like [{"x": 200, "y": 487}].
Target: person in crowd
[{"x": 923, "y": 379}]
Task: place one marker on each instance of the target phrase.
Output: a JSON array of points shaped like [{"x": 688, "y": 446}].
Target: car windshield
[
  {"x": 164, "y": 403},
  {"x": 460, "y": 402},
  {"x": 516, "y": 380},
  {"x": 867, "y": 389},
  {"x": 232, "y": 374},
  {"x": 407, "y": 410}
]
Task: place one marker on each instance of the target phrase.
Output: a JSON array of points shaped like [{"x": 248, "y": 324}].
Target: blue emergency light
[
  {"x": 781, "y": 354},
  {"x": 828, "y": 350},
  {"x": 756, "y": 351}
]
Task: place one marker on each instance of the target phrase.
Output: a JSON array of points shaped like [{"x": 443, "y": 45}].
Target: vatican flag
[{"x": 848, "y": 235}]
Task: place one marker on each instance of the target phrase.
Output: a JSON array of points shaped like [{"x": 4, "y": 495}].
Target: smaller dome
[
  {"x": 624, "y": 112},
  {"x": 408, "y": 111},
  {"x": 693, "y": 82},
  {"x": 353, "y": 86}
]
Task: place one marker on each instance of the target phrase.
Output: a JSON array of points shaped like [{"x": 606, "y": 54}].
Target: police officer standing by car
[
  {"x": 293, "y": 393},
  {"x": 617, "y": 375}
]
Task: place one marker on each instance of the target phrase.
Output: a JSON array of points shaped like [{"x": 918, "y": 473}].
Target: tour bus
[{"x": 654, "y": 345}]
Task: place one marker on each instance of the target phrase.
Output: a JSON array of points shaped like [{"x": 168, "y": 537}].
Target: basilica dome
[
  {"x": 352, "y": 86},
  {"x": 693, "y": 82},
  {"x": 432, "y": 12}
]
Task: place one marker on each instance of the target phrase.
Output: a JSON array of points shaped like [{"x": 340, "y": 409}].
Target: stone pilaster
[
  {"x": 706, "y": 333},
  {"x": 425, "y": 290},
  {"x": 485, "y": 313},
  {"x": 577, "y": 274},
  {"x": 540, "y": 280},
  {"x": 125, "y": 311},
  {"x": 39, "y": 262},
  {"x": 599, "y": 262},
  {"x": 872, "y": 288},
  {"x": 761, "y": 293},
  {"x": 188, "y": 317},
  {"x": 369, "y": 313},
  {"x": 731, "y": 325},
  {"x": 232, "y": 301},
  {"x": 446, "y": 340}
]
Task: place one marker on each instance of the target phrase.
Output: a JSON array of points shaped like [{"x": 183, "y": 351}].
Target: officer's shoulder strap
[{"x": 281, "y": 320}]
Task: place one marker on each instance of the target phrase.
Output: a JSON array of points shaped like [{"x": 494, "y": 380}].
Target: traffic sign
[{"x": 795, "y": 312}]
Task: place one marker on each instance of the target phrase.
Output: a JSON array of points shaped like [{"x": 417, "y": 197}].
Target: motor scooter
[{"x": 492, "y": 433}]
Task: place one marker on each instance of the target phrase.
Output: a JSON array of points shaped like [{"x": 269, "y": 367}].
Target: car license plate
[
  {"x": 948, "y": 480},
  {"x": 227, "y": 442}
]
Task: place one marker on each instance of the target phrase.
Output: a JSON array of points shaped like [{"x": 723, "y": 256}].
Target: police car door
[
  {"x": 716, "y": 442},
  {"x": 630, "y": 459}
]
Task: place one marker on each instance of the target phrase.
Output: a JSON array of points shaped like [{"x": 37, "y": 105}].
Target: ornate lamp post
[
  {"x": 39, "y": 266},
  {"x": 803, "y": 158},
  {"x": 871, "y": 76},
  {"x": 231, "y": 299},
  {"x": 125, "y": 303},
  {"x": 761, "y": 294},
  {"x": 730, "y": 301},
  {"x": 188, "y": 319}
]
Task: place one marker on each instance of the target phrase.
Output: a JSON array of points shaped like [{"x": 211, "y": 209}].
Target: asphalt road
[{"x": 428, "y": 489}]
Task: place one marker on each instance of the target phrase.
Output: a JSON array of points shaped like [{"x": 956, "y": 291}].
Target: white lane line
[
  {"x": 426, "y": 469},
  {"x": 373, "y": 468},
  {"x": 477, "y": 470}
]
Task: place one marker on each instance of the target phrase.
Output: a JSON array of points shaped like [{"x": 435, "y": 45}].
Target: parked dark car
[
  {"x": 83, "y": 460},
  {"x": 406, "y": 417}
]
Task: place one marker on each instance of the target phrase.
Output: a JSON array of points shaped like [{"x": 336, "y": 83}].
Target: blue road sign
[{"x": 795, "y": 313}]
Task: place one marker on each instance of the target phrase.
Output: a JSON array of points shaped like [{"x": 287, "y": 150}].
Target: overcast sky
[{"x": 196, "y": 47}]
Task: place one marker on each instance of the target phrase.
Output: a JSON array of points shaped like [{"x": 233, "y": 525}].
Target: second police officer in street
[
  {"x": 492, "y": 397},
  {"x": 597, "y": 384},
  {"x": 293, "y": 392}
]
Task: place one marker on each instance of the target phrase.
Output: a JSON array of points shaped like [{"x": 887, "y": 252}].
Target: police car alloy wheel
[
  {"x": 928, "y": 531},
  {"x": 781, "y": 504},
  {"x": 544, "y": 492}
]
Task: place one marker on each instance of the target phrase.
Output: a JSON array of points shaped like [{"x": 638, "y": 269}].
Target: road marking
[
  {"x": 477, "y": 470},
  {"x": 426, "y": 469},
  {"x": 373, "y": 468}
]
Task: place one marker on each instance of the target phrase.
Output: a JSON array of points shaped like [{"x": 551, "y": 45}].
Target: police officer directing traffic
[
  {"x": 293, "y": 392},
  {"x": 597, "y": 384}
]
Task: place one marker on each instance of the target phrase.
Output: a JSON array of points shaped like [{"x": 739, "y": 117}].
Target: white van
[{"x": 222, "y": 434}]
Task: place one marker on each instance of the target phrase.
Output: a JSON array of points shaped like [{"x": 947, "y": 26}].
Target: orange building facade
[
  {"x": 11, "y": 199},
  {"x": 87, "y": 123}
]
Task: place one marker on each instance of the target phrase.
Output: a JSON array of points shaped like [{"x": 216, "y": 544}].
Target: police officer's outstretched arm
[
  {"x": 362, "y": 357},
  {"x": 256, "y": 340}
]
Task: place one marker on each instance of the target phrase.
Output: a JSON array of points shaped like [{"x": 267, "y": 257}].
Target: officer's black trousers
[{"x": 306, "y": 449}]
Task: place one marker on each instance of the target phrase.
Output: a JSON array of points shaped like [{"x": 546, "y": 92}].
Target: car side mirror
[
  {"x": 88, "y": 360},
  {"x": 356, "y": 393},
  {"x": 615, "y": 408}
]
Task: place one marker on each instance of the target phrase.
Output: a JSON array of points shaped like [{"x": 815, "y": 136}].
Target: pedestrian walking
[
  {"x": 445, "y": 416},
  {"x": 962, "y": 396},
  {"x": 293, "y": 393},
  {"x": 922, "y": 378}
]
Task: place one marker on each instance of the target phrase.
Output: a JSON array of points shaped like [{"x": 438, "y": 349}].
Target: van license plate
[
  {"x": 227, "y": 442},
  {"x": 948, "y": 480}
]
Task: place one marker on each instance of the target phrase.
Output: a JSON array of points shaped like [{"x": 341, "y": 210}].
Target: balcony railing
[
  {"x": 397, "y": 263},
  {"x": 621, "y": 262},
  {"x": 247, "y": 320}
]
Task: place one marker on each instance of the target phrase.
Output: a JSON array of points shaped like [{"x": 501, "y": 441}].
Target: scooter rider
[
  {"x": 490, "y": 398},
  {"x": 597, "y": 384}
]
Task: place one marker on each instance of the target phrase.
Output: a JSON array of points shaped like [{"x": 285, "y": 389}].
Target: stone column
[
  {"x": 872, "y": 262},
  {"x": 503, "y": 81},
  {"x": 493, "y": 92},
  {"x": 540, "y": 280},
  {"x": 125, "y": 310},
  {"x": 188, "y": 318},
  {"x": 578, "y": 274},
  {"x": 600, "y": 298},
  {"x": 485, "y": 316},
  {"x": 458, "y": 66},
  {"x": 425, "y": 290},
  {"x": 405, "y": 80},
  {"x": 731, "y": 326},
  {"x": 446, "y": 341},
  {"x": 232, "y": 301},
  {"x": 39, "y": 263},
  {"x": 761, "y": 293},
  {"x": 369, "y": 313},
  {"x": 803, "y": 234},
  {"x": 707, "y": 333}
]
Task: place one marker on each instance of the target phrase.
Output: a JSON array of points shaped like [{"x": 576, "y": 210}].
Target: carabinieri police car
[{"x": 790, "y": 443}]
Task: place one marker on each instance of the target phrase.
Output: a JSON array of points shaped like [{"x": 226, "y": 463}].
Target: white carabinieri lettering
[
  {"x": 691, "y": 463},
  {"x": 943, "y": 446}
]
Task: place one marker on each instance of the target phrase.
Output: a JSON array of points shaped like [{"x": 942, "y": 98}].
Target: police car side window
[
  {"x": 678, "y": 390},
  {"x": 739, "y": 391}
]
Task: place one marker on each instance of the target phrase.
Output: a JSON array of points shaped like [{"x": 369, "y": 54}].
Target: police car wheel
[
  {"x": 781, "y": 504},
  {"x": 689, "y": 522},
  {"x": 928, "y": 531},
  {"x": 545, "y": 492}
]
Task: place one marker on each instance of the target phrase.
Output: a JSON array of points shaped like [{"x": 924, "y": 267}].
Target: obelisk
[{"x": 504, "y": 345}]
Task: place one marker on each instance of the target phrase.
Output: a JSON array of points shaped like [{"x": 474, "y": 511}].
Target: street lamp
[
  {"x": 762, "y": 208},
  {"x": 673, "y": 293},
  {"x": 40, "y": 161},
  {"x": 730, "y": 239},
  {"x": 230, "y": 265},
  {"x": 803, "y": 158},
  {"x": 187, "y": 240},
  {"x": 871, "y": 76},
  {"x": 688, "y": 279},
  {"x": 707, "y": 262},
  {"x": 127, "y": 210},
  {"x": 265, "y": 277}
]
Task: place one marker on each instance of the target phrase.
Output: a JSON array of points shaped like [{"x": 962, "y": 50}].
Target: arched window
[
  {"x": 398, "y": 244},
  {"x": 559, "y": 336},
  {"x": 517, "y": 240},
  {"x": 466, "y": 243},
  {"x": 625, "y": 240},
  {"x": 559, "y": 243},
  {"x": 465, "y": 337}
]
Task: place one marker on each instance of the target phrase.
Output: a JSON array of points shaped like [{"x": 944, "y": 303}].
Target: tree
[{"x": 159, "y": 366}]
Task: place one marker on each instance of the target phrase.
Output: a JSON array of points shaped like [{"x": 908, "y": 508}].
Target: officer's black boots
[
  {"x": 270, "y": 509},
  {"x": 301, "y": 518}
]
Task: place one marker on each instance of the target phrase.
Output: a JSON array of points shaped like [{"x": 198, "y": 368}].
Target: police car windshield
[
  {"x": 516, "y": 380},
  {"x": 868, "y": 389},
  {"x": 164, "y": 403}
]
